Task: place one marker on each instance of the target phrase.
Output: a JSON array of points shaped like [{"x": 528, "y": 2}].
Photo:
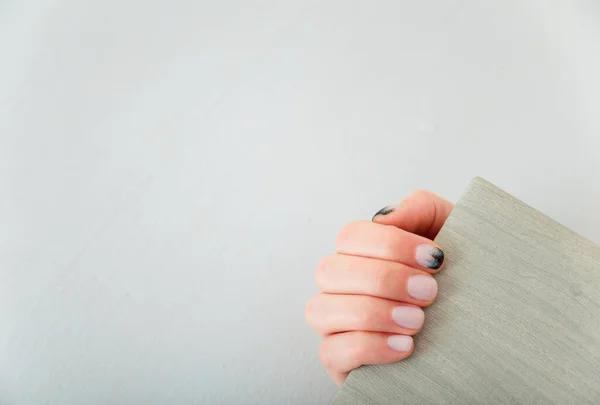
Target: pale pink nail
[
  {"x": 408, "y": 317},
  {"x": 400, "y": 343},
  {"x": 422, "y": 287}
]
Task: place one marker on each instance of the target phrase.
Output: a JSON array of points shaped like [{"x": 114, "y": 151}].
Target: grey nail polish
[{"x": 386, "y": 210}]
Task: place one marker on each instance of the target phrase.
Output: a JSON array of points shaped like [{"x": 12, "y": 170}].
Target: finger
[
  {"x": 343, "y": 274},
  {"x": 344, "y": 352},
  {"x": 377, "y": 241},
  {"x": 423, "y": 213},
  {"x": 334, "y": 313}
]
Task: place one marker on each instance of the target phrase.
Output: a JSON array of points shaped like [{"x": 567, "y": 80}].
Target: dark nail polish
[
  {"x": 429, "y": 256},
  {"x": 385, "y": 210}
]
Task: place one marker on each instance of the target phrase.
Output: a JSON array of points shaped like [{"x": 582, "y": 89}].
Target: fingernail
[
  {"x": 400, "y": 343},
  {"x": 429, "y": 256},
  {"x": 388, "y": 209},
  {"x": 408, "y": 317},
  {"x": 422, "y": 287}
]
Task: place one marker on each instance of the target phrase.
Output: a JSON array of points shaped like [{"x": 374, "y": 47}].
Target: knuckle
[
  {"x": 359, "y": 350},
  {"x": 422, "y": 193},
  {"x": 346, "y": 232},
  {"x": 322, "y": 270},
  {"x": 310, "y": 310},
  {"x": 325, "y": 354},
  {"x": 390, "y": 235},
  {"x": 384, "y": 278},
  {"x": 366, "y": 316}
]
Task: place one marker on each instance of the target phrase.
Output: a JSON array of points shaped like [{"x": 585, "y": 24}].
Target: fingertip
[
  {"x": 401, "y": 343},
  {"x": 430, "y": 256},
  {"x": 409, "y": 317},
  {"x": 422, "y": 287}
]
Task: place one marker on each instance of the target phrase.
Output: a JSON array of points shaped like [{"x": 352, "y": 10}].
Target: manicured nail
[
  {"x": 429, "y": 256},
  {"x": 388, "y": 209},
  {"x": 408, "y": 317},
  {"x": 400, "y": 343},
  {"x": 422, "y": 287}
]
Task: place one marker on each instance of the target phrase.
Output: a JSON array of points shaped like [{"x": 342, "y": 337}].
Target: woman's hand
[{"x": 373, "y": 288}]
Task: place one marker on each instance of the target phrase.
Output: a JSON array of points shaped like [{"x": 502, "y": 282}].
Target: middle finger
[
  {"x": 343, "y": 274},
  {"x": 332, "y": 313}
]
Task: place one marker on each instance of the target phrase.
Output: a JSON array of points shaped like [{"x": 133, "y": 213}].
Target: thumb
[{"x": 423, "y": 213}]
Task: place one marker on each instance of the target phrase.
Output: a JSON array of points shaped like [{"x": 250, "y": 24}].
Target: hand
[{"x": 373, "y": 289}]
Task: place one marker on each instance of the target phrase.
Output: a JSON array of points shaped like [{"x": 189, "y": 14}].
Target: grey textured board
[{"x": 517, "y": 320}]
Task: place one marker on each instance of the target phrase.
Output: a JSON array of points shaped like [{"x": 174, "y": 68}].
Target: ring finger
[
  {"x": 333, "y": 313},
  {"x": 344, "y": 274}
]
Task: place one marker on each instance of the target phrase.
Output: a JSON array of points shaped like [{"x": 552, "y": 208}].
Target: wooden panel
[{"x": 517, "y": 320}]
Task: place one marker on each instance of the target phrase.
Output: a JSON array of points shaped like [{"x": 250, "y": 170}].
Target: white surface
[{"x": 170, "y": 172}]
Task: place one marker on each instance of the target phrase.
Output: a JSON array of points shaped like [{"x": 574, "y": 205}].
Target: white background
[{"x": 171, "y": 172}]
